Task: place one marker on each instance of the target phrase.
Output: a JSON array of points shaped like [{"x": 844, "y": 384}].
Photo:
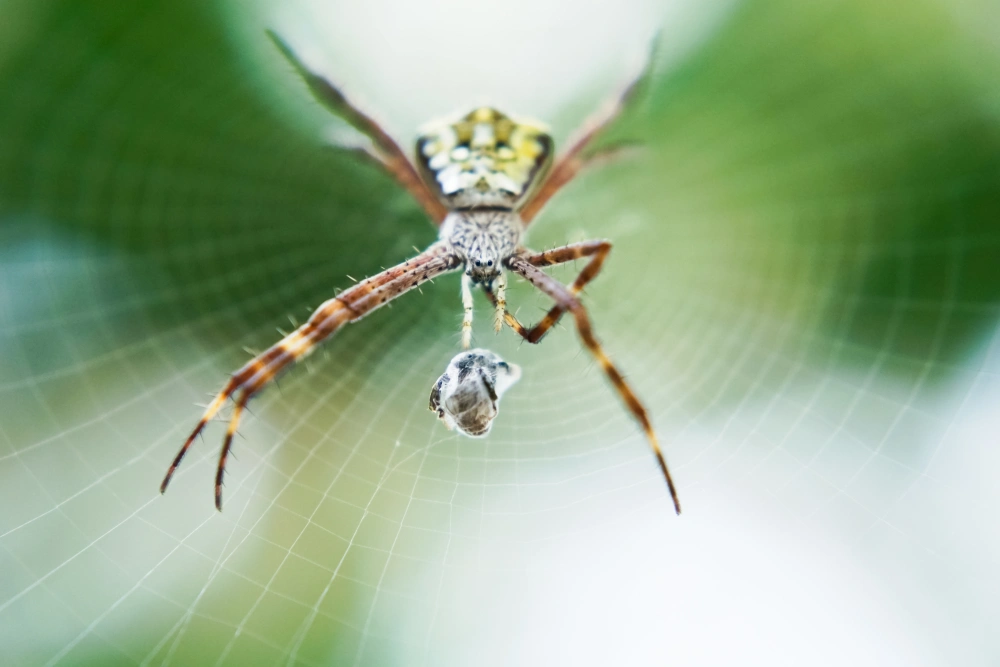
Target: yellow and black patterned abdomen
[{"x": 484, "y": 159}]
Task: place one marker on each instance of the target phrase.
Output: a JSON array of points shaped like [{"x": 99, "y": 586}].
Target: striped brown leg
[
  {"x": 351, "y": 305},
  {"x": 598, "y": 250},
  {"x": 386, "y": 151},
  {"x": 580, "y": 154},
  {"x": 564, "y": 297}
]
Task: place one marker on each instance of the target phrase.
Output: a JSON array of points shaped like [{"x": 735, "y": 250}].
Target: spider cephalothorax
[
  {"x": 483, "y": 239},
  {"x": 481, "y": 179}
]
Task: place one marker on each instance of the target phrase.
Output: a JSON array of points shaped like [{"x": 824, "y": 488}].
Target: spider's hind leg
[
  {"x": 581, "y": 152},
  {"x": 384, "y": 150}
]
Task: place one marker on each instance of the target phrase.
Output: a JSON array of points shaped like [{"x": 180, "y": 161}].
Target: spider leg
[
  {"x": 467, "y": 306},
  {"x": 351, "y": 305},
  {"x": 612, "y": 153},
  {"x": 500, "y": 302},
  {"x": 227, "y": 444},
  {"x": 385, "y": 149},
  {"x": 565, "y": 298},
  {"x": 580, "y": 154},
  {"x": 598, "y": 250}
]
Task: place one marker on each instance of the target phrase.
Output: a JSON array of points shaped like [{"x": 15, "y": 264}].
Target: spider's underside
[{"x": 482, "y": 180}]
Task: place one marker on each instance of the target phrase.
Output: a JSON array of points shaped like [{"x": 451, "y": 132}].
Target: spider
[{"x": 482, "y": 180}]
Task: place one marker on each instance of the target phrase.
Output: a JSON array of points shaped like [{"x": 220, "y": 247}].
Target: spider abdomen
[{"x": 484, "y": 159}]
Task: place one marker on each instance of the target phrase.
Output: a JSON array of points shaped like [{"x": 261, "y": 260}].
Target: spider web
[{"x": 804, "y": 291}]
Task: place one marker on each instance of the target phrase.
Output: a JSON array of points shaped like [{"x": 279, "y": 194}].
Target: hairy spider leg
[
  {"x": 500, "y": 302},
  {"x": 568, "y": 301},
  {"x": 467, "y": 306},
  {"x": 387, "y": 152},
  {"x": 579, "y": 154},
  {"x": 351, "y": 305},
  {"x": 598, "y": 250}
]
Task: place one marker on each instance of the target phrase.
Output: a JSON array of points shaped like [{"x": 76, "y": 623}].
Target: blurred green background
[{"x": 805, "y": 289}]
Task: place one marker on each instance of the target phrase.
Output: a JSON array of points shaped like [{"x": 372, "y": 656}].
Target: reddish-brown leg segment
[
  {"x": 568, "y": 301},
  {"x": 387, "y": 153},
  {"x": 579, "y": 154},
  {"x": 351, "y": 305},
  {"x": 598, "y": 250}
]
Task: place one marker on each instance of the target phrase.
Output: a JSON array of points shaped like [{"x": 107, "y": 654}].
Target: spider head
[
  {"x": 483, "y": 239},
  {"x": 483, "y": 268}
]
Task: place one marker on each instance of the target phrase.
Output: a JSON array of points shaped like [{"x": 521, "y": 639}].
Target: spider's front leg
[
  {"x": 597, "y": 250},
  {"x": 568, "y": 302},
  {"x": 351, "y": 305},
  {"x": 387, "y": 152}
]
